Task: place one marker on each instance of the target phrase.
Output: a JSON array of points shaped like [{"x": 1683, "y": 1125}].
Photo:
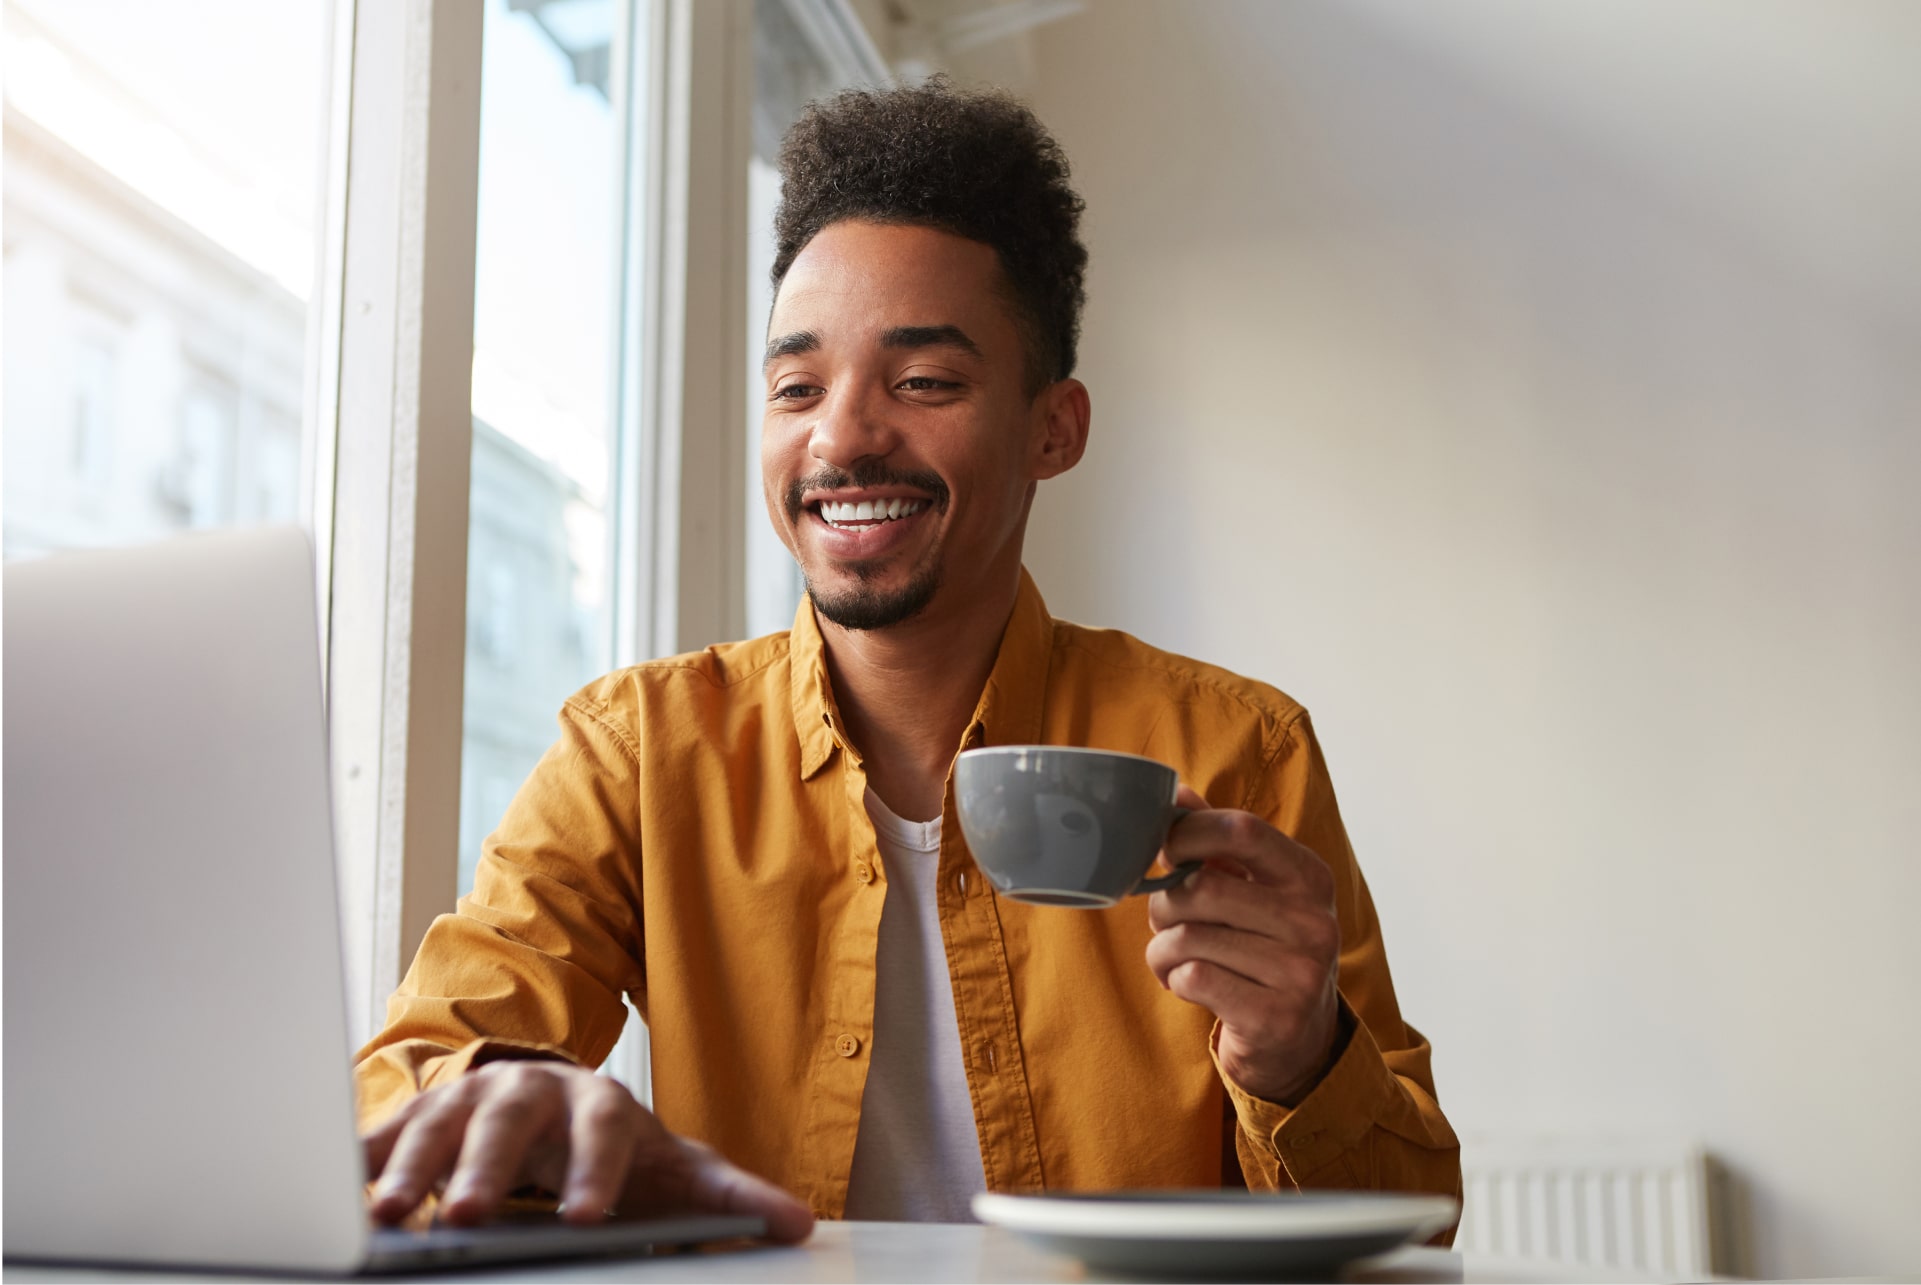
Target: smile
[{"x": 851, "y": 516}]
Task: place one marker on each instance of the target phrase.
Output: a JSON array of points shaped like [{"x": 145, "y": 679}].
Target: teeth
[{"x": 840, "y": 512}]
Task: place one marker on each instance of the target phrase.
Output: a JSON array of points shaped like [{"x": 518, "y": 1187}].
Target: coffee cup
[{"x": 1056, "y": 825}]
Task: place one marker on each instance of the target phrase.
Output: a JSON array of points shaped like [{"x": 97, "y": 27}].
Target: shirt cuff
[
  {"x": 480, "y": 1052},
  {"x": 1330, "y": 1121}
]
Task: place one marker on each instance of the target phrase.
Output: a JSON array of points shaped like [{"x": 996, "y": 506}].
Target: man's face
[{"x": 899, "y": 445}]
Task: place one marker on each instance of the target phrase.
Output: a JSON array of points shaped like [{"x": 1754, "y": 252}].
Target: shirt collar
[
  {"x": 1011, "y": 704},
  {"x": 815, "y": 713}
]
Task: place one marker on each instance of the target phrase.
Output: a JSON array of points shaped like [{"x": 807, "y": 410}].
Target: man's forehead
[{"x": 890, "y": 276}]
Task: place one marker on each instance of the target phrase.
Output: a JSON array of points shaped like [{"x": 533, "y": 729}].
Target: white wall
[{"x": 1534, "y": 391}]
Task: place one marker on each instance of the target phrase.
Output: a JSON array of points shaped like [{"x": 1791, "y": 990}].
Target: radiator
[{"x": 1616, "y": 1203}]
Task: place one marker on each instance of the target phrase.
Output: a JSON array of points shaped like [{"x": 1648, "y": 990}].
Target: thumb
[
  {"x": 1185, "y": 796},
  {"x": 729, "y": 1189},
  {"x": 678, "y": 1173}
]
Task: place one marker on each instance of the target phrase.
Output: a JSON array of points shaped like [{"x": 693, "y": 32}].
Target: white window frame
[
  {"x": 682, "y": 522},
  {"x": 401, "y": 436}
]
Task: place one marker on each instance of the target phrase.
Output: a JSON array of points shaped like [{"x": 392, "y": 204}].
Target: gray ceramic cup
[{"x": 1058, "y": 826}]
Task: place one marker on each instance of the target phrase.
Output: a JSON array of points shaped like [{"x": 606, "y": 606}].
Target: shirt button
[
  {"x": 864, "y": 872},
  {"x": 847, "y": 1046}
]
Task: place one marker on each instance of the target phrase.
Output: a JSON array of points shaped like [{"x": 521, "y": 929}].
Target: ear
[{"x": 1060, "y": 419}]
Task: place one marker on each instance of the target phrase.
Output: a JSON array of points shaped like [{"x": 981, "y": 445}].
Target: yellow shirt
[{"x": 697, "y": 840}]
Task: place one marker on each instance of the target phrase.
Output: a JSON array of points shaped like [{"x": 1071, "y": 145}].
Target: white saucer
[{"x": 1219, "y": 1233}]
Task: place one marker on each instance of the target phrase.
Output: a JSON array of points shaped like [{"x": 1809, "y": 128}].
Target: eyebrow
[
  {"x": 930, "y": 337},
  {"x": 802, "y": 341},
  {"x": 787, "y": 345}
]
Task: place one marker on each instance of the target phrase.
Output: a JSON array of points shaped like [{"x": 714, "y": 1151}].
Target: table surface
[{"x": 910, "y": 1253}]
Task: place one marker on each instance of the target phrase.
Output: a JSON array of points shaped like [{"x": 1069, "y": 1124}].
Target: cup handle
[{"x": 1179, "y": 874}]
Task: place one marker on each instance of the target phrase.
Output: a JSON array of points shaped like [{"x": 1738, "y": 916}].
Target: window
[
  {"x": 198, "y": 482},
  {"x": 96, "y": 363},
  {"x": 546, "y": 333},
  {"x": 159, "y": 207}
]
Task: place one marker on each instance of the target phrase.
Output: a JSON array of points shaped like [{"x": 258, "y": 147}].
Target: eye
[
  {"x": 925, "y": 384},
  {"x": 794, "y": 392}
]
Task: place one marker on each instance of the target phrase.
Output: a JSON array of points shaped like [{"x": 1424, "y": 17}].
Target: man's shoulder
[
  {"x": 1114, "y": 664},
  {"x": 715, "y": 677}
]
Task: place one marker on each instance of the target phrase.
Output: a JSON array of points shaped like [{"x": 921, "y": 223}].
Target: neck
[{"x": 906, "y": 693}]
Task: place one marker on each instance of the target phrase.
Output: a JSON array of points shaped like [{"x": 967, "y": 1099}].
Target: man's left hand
[{"x": 1253, "y": 937}]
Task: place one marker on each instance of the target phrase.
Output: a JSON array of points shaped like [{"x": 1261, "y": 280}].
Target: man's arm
[
  {"x": 480, "y": 1080},
  {"x": 536, "y": 959},
  {"x": 1278, "y": 938}
]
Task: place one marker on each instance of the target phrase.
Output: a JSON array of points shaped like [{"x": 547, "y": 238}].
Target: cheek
[
  {"x": 777, "y": 468},
  {"x": 776, "y": 510},
  {"x": 774, "y": 478}
]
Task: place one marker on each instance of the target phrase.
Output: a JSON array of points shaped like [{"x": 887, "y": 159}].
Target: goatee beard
[{"x": 866, "y": 607}]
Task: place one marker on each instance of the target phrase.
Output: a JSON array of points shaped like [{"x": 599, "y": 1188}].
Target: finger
[
  {"x": 673, "y": 1174},
  {"x": 1230, "y": 996},
  {"x": 1216, "y": 896},
  {"x": 728, "y": 1189},
  {"x": 1260, "y": 960},
  {"x": 378, "y": 1144},
  {"x": 603, "y": 1129},
  {"x": 1262, "y": 1018},
  {"x": 1185, "y": 796},
  {"x": 519, "y": 1104},
  {"x": 1213, "y": 895},
  {"x": 425, "y": 1151},
  {"x": 1266, "y": 854}
]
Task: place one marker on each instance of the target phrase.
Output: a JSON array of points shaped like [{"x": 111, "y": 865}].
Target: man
[{"x": 757, "y": 842}]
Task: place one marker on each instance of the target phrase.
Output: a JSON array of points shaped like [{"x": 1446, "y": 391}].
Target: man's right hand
[{"x": 506, "y": 1124}]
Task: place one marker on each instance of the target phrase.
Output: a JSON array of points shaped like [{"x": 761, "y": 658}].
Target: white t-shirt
[{"x": 917, "y": 1157}]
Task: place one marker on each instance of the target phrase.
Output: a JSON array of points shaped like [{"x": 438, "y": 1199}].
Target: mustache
[{"x": 867, "y": 474}]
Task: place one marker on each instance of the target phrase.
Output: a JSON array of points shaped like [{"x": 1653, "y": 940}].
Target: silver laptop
[{"x": 176, "y": 1047}]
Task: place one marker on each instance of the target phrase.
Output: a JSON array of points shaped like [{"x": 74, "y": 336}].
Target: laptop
[{"x": 177, "y": 1087}]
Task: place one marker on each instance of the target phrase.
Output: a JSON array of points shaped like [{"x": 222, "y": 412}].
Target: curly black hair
[{"x": 974, "y": 163}]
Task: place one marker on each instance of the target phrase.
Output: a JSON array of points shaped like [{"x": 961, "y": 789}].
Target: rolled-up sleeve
[{"x": 535, "y": 962}]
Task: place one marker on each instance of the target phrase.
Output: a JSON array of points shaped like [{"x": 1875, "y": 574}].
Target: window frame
[{"x": 394, "y": 421}]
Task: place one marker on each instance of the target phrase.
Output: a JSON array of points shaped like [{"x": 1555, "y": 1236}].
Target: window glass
[
  {"x": 160, "y": 193},
  {"x": 546, "y": 332}
]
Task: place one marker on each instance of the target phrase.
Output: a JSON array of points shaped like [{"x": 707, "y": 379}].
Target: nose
[{"x": 851, "y": 425}]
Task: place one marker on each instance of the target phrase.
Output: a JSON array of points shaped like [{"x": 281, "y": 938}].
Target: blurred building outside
[{"x": 154, "y": 383}]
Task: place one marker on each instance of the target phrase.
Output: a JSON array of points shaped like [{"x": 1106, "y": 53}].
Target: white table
[{"x": 912, "y": 1253}]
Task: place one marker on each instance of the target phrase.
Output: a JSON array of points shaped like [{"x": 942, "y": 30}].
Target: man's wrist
[{"x": 1340, "y": 1031}]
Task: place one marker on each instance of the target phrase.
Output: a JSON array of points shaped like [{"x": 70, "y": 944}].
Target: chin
[{"x": 864, "y": 605}]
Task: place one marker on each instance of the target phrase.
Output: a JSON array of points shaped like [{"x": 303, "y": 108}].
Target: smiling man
[{"x": 757, "y": 842}]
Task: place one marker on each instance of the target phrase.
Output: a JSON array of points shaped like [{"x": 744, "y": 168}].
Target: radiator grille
[{"x": 1633, "y": 1205}]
